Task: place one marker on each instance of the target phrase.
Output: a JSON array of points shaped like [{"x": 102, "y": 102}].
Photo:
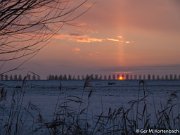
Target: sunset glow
[
  {"x": 114, "y": 36},
  {"x": 121, "y": 78}
]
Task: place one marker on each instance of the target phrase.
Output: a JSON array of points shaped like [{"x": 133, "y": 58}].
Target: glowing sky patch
[{"x": 116, "y": 33}]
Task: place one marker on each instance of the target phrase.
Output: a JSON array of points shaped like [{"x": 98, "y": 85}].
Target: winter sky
[{"x": 116, "y": 36}]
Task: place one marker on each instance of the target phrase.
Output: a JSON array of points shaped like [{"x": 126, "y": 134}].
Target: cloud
[
  {"x": 87, "y": 39},
  {"x": 119, "y": 39},
  {"x": 113, "y": 39},
  {"x": 80, "y": 38},
  {"x": 127, "y": 42},
  {"x": 77, "y": 38}
]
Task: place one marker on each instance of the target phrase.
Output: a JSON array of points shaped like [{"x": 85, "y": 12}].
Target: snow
[
  {"x": 45, "y": 93},
  {"x": 98, "y": 96}
]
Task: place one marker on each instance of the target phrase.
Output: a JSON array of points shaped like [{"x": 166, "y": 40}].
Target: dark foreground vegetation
[{"x": 18, "y": 119}]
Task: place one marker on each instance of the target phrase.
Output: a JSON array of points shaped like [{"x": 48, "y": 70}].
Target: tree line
[
  {"x": 114, "y": 77},
  {"x": 93, "y": 77},
  {"x": 20, "y": 77}
]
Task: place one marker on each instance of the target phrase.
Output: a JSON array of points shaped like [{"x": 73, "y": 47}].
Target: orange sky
[{"x": 113, "y": 35}]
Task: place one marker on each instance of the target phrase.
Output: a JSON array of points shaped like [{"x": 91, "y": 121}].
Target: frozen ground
[
  {"x": 105, "y": 94},
  {"x": 97, "y": 96}
]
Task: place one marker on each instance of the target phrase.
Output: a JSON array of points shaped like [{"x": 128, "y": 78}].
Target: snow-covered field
[
  {"x": 97, "y": 96},
  {"x": 104, "y": 94}
]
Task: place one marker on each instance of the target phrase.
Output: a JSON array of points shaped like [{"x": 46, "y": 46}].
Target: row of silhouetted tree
[
  {"x": 114, "y": 77},
  {"x": 19, "y": 77},
  {"x": 93, "y": 77}
]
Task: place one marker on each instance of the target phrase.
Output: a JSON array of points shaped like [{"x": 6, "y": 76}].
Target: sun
[{"x": 121, "y": 78}]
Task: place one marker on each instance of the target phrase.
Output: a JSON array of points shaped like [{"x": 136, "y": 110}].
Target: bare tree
[
  {"x": 109, "y": 77},
  {"x": 25, "y": 24}
]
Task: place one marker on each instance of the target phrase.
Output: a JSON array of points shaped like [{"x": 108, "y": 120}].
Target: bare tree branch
[{"x": 26, "y": 24}]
